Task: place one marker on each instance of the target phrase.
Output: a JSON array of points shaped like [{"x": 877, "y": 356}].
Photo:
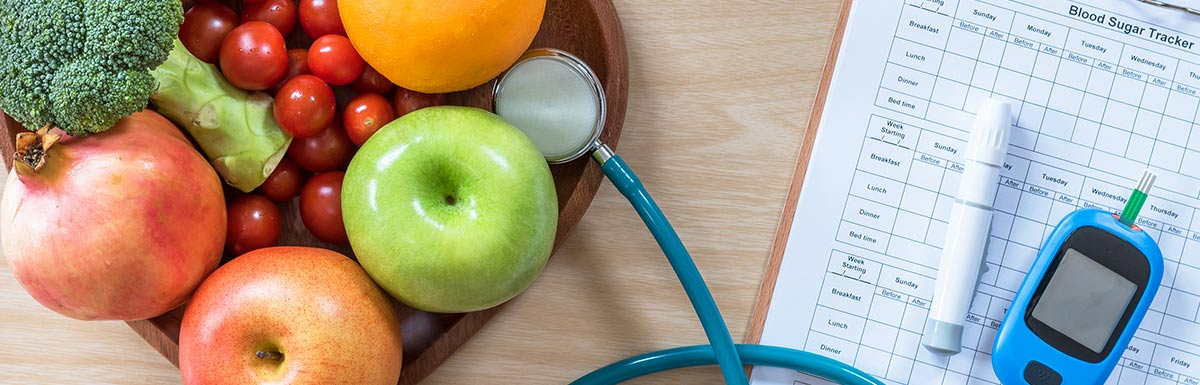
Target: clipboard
[
  {"x": 771, "y": 273},
  {"x": 775, "y": 259}
]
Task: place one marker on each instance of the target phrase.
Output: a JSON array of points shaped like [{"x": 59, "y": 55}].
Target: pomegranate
[{"x": 120, "y": 225}]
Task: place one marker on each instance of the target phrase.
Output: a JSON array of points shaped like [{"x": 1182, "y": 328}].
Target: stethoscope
[{"x": 556, "y": 99}]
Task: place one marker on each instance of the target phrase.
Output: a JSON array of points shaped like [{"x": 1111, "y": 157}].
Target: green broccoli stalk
[
  {"x": 82, "y": 65},
  {"x": 236, "y": 129}
]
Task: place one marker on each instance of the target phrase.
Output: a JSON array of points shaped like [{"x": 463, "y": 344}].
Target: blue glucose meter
[{"x": 1080, "y": 304}]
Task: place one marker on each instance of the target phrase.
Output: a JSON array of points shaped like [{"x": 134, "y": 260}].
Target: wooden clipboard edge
[{"x": 759, "y": 316}]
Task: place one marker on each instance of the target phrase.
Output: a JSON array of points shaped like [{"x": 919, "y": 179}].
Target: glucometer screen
[{"x": 1084, "y": 300}]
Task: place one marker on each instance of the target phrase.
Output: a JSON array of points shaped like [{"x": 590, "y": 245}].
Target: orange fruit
[{"x": 438, "y": 46}]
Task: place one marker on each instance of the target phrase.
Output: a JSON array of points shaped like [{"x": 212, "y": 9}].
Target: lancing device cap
[
  {"x": 942, "y": 337},
  {"x": 989, "y": 133},
  {"x": 946, "y": 338}
]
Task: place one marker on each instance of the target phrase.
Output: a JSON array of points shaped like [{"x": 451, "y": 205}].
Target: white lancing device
[{"x": 969, "y": 228}]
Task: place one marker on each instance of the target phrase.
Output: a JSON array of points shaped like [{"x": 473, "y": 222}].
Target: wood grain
[
  {"x": 765, "y": 292},
  {"x": 718, "y": 98}
]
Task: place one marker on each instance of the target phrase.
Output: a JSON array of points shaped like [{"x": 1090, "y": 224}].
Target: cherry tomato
[
  {"x": 280, "y": 13},
  {"x": 372, "y": 81},
  {"x": 365, "y": 114},
  {"x": 204, "y": 27},
  {"x": 331, "y": 57},
  {"x": 407, "y": 100},
  {"x": 253, "y": 224},
  {"x": 320, "y": 18},
  {"x": 253, "y": 56},
  {"x": 284, "y": 183},
  {"x": 304, "y": 106},
  {"x": 297, "y": 65},
  {"x": 329, "y": 150},
  {"x": 321, "y": 207}
]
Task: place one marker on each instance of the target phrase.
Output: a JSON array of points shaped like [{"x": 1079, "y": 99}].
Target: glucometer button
[{"x": 1037, "y": 373}]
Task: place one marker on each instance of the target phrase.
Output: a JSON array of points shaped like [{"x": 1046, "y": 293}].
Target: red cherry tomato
[
  {"x": 280, "y": 13},
  {"x": 284, "y": 183},
  {"x": 372, "y": 81},
  {"x": 365, "y": 114},
  {"x": 253, "y": 224},
  {"x": 297, "y": 65},
  {"x": 320, "y": 18},
  {"x": 253, "y": 56},
  {"x": 204, "y": 27},
  {"x": 332, "y": 58},
  {"x": 407, "y": 100},
  {"x": 329, "y": 150},
  {"x": 304, "y": 106},
  {"x": 321, "y": 207}
]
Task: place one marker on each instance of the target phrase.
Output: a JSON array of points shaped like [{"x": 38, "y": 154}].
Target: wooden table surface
[{"x": 719, "y": 95}]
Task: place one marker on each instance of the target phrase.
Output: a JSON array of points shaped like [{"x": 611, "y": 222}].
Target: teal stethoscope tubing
[
  {"x": 722, "y": 350},
  {"x": 701, "y": 355},
  {"x": 697, "y": 291}
]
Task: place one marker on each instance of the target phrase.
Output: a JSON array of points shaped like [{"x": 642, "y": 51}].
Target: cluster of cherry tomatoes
[{"x": 326, "y": 98}]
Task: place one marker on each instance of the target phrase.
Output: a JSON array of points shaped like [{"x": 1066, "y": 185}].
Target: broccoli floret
[{"x": 82, "y": 64}]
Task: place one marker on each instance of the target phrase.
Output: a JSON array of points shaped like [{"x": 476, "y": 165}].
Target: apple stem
[
  {"x": 450, "y": 200},
  {"x": 265, "y": 355}
]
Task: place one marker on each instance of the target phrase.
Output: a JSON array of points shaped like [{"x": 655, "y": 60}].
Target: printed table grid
[
  {"x": 857, "y": 282},
  {"x": 1040, "y": 202},
  {"x": 1064, "y": 126},
  {"x": 1090, "y": 113}
]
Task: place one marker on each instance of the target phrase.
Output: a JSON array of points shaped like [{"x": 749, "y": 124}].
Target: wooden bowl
[{"x": 589, "y": 29}]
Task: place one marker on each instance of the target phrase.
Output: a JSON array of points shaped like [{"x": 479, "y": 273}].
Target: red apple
[{"x": 294, "y": 315}]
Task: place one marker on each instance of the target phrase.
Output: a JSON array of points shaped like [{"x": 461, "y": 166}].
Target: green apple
[
  {"x": 450, "y": 209},
  {"x": 290, "y": 315}
]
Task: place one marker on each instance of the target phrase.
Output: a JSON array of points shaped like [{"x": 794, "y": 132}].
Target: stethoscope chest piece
[{"x": 556, "y": 99}]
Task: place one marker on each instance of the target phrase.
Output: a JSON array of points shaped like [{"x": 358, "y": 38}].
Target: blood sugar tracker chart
[{"x": 1100, "y": 91}]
